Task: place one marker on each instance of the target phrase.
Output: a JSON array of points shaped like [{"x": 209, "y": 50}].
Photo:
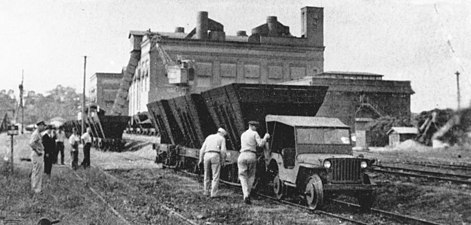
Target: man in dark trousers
[
  {"x": 87, "y": 144},
  {"x": 49, "y": 144},
  {"x": 60, "y": 139}
]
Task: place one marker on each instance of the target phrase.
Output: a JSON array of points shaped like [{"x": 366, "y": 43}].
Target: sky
[{"x": 422, "y": 41}]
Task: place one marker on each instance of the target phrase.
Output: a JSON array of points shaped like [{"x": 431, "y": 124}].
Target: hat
[
  {"x": 255, "y": 123},
  {"x": 41, "y": 123},
  {"x": 222, "y": 131}
]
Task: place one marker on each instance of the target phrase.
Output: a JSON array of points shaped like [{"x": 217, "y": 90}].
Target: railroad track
[
  {"x": 441, "y": 166},
  {"x": 394, "y": 216},
  {"x": 455, "y": 178},
  {"x": 171, "y": 211}
]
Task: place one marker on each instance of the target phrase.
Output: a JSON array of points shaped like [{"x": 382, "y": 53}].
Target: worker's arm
[
  {"x": 201, "y": 155},
  {"x": 261, "y": 142},
  {"x": 33, "y": 143},
  {"x": 223, "y": 152}
]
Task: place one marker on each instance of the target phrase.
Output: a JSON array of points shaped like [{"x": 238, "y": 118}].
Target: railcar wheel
[
  {"x": 314, "y": 193},
  {"x": 366, "y": 198},
  {"x": 278, "y": 187}
]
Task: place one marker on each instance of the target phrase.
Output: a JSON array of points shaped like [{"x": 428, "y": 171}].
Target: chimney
[
  {"x": 272, "y": 23},
  {"x": 202, "y": 24},
  {"x": 179, "y": 30},
  {"x": 241, "y": 33},
  {"x": 312, "y": 25}
]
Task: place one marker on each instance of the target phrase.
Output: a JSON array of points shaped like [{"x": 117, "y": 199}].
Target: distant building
[
  {"x": 358, "y": 98},
  {"x": 103, "y": 88},
  {"x": 401, "y": 134},
  {"x": 270, "y": 54}
]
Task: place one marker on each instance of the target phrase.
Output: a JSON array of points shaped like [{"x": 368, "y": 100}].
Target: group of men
[
  {"x": 46, "y": 144},
  {"x": 213, "y": 156}
]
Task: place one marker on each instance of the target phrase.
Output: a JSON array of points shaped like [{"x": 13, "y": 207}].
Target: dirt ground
[
  {"x": 442, "y": 202},
  {"x": 140, "y": 194},
  {"x": 139, "y": 190}
]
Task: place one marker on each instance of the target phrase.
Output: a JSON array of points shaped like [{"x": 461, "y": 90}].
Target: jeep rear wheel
[{"x": 314, "y": 193}]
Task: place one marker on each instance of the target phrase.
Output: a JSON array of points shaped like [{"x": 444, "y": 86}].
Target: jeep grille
[{"x": 345, "y": 170}]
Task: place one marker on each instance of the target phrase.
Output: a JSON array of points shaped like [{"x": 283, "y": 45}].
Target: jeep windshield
[{"x": 328, "y": 136}]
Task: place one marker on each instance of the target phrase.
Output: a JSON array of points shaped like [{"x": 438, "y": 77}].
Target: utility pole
[
  {"x": 458, "y": 89},
  {"x": 21, "y": 102},
  {"x": 83, "y": 96}
]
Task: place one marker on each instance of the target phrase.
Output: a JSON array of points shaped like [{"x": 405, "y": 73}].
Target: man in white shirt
[
  {"x": 38, "y": 150},
  {"x": 74, "y": 141},
  {"x": 87, "y": 144},
  {"x": 60, "y": 139},
  {"x": 213, "y": 155},
  {"x": 247, "y": 161}
]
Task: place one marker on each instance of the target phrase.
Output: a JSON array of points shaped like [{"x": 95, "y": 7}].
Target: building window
[
  {"x": 228, "y": 73},
  {"x": 204, "y": 71},
  {"x": 275, "y": 72},
  {"x": 297, "y": 72},
  {"x": 252, "y": 73}
]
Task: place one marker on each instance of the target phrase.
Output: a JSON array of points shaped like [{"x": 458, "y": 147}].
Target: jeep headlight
[
  {"x": 363, "y": 164},
  {"x": 327, "y": 164}
]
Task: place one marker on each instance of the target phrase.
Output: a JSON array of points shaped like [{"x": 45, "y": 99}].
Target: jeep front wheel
[
  {"x": 314, "y": 193},
  {"x": 278, "y": 187}
]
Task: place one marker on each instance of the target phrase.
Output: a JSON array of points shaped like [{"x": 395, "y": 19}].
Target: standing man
[
  {"x": 247, "y": 161},
  {"x": 213, "y": 155},
  {"x": 87, "y": 144},
  {"x": 74, "y": 141},
  {"x": 60, "y": 139},
  {"x": 38, "y": 149},
  {"x": 49, "y": 150}
]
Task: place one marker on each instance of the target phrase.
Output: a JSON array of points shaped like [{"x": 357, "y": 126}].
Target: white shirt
[
  {"x": 74, "y": 139},
  {"x": 86, "y": 138},
  {"x": 249, "y": 140},
  {"x": 60, "y": 137},
  {"x": 214, "y": 143}
]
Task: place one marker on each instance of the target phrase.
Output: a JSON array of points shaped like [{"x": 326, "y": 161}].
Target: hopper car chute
[{"x": 286, "y": 163}]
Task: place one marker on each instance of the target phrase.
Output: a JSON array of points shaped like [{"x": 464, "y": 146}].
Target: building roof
[
  {"x": 306, "y": 121},
  {"x": 403, "y": 130}
]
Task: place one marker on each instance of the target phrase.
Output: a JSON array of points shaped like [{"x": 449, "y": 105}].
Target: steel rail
[
  {"x": 425, "y": 172},
  {"x": 113, "y": 210},
  {"x": 403, "y": 218},
  {"x": 161, "y": 205},
  {"x": 420, "y": 175},
  {"x": 441, "y": 166},
  {"x": 232, "y": 184}
]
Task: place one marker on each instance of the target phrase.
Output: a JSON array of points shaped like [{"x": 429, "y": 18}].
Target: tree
[
  {"x": 379, "y": 128},
  {"x": 58, "y": 102}
]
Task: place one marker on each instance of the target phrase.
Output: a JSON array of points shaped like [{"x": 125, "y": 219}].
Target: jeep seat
[{"x": 288, "y": 155}]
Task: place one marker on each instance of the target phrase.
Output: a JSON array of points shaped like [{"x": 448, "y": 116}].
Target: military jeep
[{"x": 312, "y": 156}]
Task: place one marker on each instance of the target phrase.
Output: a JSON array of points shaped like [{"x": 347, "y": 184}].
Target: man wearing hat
[
  {"x": 38, "y": 149},
  {"x": 213, "y": 155},
  {"x": 49, "y": 144},
  {"x": 247, "y": 161}
]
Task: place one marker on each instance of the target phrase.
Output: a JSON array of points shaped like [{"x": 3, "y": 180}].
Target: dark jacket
[{"x": 49, "y": 144}]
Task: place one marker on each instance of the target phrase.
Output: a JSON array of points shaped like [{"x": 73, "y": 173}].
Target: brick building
[
  {"x": 103, "y": 88},
  {"x": 269, "y": 55},
  {"x": 359, "y": 98}
]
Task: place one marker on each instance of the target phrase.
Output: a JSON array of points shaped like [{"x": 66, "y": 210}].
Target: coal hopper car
[
  {"x": 298, "y": 158},
  {"x": 107, "y": 130}
]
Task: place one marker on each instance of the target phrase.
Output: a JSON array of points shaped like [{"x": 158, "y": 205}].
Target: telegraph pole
[
  {"x": 21, "y": 102},
  {"x": 458, "y": 89},
  {"x": 83, "y": 96}
]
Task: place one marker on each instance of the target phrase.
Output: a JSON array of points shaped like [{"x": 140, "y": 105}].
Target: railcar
[
  {"x": 107, "y": 130},
  {"x": 307, "y": 155}
]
